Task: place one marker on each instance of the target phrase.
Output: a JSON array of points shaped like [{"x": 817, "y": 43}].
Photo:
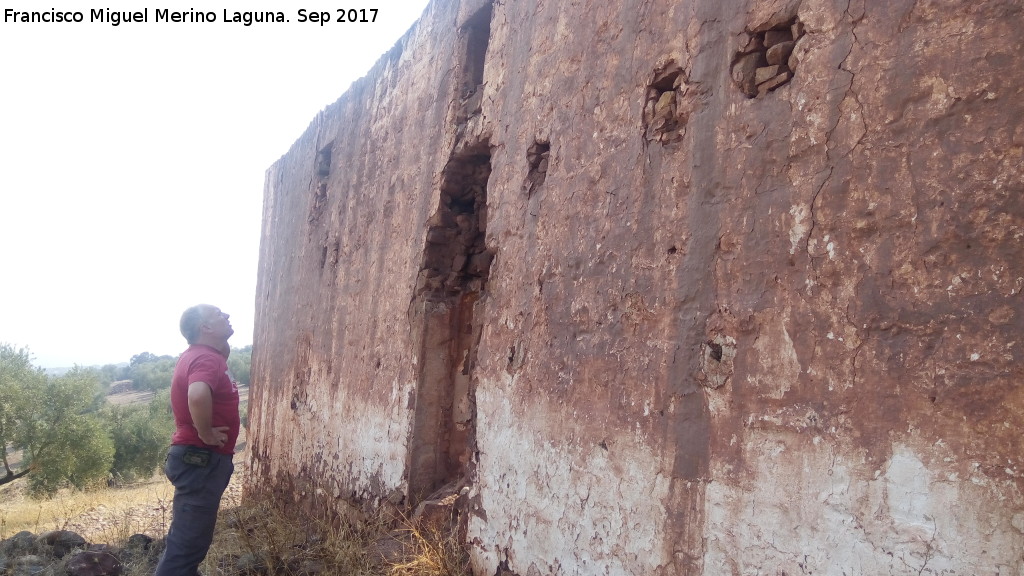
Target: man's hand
[{"x": 214, "y": 436}]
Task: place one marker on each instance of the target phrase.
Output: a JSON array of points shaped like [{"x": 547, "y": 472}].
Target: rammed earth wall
[{"x": 672, "y": 287}]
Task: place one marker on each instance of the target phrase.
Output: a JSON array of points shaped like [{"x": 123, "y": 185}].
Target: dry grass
[
  {"x": 266, "y": 539},
  {"x": 98, "y": 515},
  {"x": 253, "y": 537},
  {"x": 432, "y": 553}
]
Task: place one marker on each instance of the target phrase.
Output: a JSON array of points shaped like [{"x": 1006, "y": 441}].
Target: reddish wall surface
[{"x": 700, "y": 287}]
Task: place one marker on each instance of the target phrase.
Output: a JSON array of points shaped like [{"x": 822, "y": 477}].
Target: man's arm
[{"x": 200, "y": 406}]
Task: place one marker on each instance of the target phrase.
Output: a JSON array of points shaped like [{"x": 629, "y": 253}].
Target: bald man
[{"x": 204, "y": 399}]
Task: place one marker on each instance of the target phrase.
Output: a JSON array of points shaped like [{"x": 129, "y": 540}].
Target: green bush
[
  {"x": 140, "y": 434},
  {"x": 64, "y": 440}
]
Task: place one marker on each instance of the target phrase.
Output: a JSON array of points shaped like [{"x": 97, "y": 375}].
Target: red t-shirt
[{"x": 201, "y": 363}]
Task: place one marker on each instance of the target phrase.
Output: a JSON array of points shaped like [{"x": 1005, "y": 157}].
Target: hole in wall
[
  {"x": 316, "y": 208},
  {"x": 321, "y": 171},
  {"x": 451, "y": 283},
  {"x": 537, "y": 157},
  {"x": 329, "y": 255},
  {"x": 664, "y": 116},
  {"x": 323, "y": 161},
  {"x": 477, "y": 37},
  {"x": 716, "y": 351},
  {"x": 456, "y": 259},
  {"x": 516, "y": 357},
  {"x": 766, "y": 62},
  {"x": 717, "y": 356}
]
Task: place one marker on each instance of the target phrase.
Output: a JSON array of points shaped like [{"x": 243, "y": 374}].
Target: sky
[{"x": 132, "y": 163}]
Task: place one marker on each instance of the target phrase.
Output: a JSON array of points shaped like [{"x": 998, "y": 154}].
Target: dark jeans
[{"x": 197, "y": 493}]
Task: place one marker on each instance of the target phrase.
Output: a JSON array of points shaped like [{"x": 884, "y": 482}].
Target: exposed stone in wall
[
  {"x": 766, "y": 60},
  {"x": 721, "y": 321},
  {"x": 665, "y": 112}
]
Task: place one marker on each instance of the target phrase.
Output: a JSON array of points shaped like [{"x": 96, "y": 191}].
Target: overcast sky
[{"x": 132, "y": 161}]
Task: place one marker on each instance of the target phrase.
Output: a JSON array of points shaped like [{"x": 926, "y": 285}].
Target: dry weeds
[
  {"x": 97, "y": 515},
  {"x": 253, "y": 537}
]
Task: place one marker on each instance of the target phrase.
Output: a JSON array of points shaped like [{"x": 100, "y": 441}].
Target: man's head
[{"x": 205, "y": 324}]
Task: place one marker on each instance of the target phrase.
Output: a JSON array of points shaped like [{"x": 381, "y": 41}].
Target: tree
[
  {"x": 110, "y": 373},
  {"x": 142, "y": 358},
  {"x": 140, "y": 434},
  {"x": 17, "y": 376},
  {"x": 150, "y": 372},
  {"x": 53, "y": 421},
  {"x": 240, "y": 363}
]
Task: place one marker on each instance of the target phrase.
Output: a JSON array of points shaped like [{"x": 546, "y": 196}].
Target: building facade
[{"x": 667, "y": 287}]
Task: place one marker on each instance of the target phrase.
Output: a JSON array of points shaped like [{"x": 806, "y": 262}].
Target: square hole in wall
[{"x": 764, "y": 63}]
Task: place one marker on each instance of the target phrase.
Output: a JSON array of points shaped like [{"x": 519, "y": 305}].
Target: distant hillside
[{"x": 65, "y": 369}]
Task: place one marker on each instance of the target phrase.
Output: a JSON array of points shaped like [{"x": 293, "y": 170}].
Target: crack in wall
[{"x": 814, "y": 200}]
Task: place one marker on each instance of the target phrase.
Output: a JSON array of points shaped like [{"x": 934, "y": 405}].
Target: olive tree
[
  {"x": 17, "y": 376},
  {"x": 54, "y": 424},
  {"x": 141, "y": 433}
]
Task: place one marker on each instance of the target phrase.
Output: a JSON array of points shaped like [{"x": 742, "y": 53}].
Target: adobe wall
[{"x": 664, "y": 306}]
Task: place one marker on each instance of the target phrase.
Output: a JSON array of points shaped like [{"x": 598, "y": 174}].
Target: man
[{"x": 204, "y": 399}]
